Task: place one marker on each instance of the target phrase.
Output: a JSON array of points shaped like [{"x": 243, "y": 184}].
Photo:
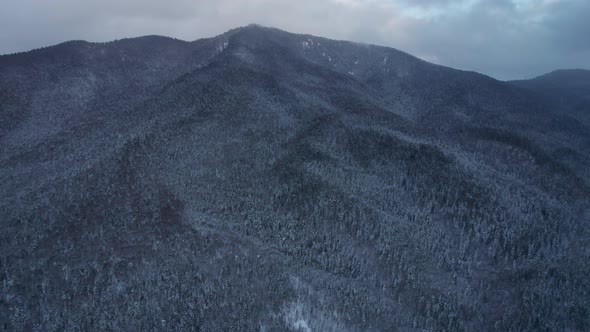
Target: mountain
[
  {"x": 571, "y": 83},
  {"x": 264, "y": 180},
  {"x": 565, "y": 89}
]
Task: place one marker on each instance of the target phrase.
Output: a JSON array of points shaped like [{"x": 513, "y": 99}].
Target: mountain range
[{"x": 264, "y": 180}]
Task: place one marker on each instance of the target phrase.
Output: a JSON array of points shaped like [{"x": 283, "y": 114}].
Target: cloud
[
  {"x": 502, "y": 38},
  {"x": 510, "y": 39}
]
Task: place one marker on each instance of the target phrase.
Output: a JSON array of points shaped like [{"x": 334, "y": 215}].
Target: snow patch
[
  {"x": 307, "y": 313},
  {"x": 222, "y": 47},
  {"x": 294, "y": 317},
  {"x": 301, "y": 325}
]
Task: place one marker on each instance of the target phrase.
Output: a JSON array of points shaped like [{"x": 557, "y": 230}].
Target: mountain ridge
[{"x": 253, "y": 26}]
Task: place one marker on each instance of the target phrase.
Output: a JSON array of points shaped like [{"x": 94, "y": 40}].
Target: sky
[{"x": 506, "y": 39}]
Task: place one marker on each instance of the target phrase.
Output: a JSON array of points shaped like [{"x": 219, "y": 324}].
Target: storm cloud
[{"x": 506, "y": 39}]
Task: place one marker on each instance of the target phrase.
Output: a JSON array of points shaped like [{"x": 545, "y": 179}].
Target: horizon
[
  {"x": 290, "y": 32},
  {"x": 507, "y": 39}
]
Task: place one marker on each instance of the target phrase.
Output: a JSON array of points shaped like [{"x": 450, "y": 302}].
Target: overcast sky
[{"x": 506, "y": 39}]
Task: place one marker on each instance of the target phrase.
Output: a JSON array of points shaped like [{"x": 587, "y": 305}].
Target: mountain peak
[{"x": 256, "y": 25}]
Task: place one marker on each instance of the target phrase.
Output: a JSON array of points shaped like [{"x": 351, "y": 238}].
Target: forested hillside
[{"x": 263, "y": 180}]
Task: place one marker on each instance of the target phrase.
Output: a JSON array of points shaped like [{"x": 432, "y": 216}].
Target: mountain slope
[
  {"x": 262, "y": 180},
  {"x": 572, "y": 83},
  {"x": 564, "y": 89},
  {"x": 566, "y": 92}
]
